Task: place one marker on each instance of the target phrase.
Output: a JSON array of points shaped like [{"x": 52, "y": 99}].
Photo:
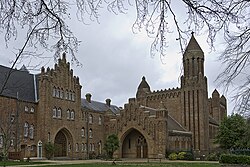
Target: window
[
  {"x": 57, "y": 92},
  {"x": 61, "y": 94},
  {"x": 48, "y": 136},
  {"x": 90, "y": 118},
  {"x": 1, "y": 141},
  {"x": 93, "y": 147},
  {"x": 73, "y": 96},
  {"x": 83, "y": 147},
  {"x": 68, "y": 114},
  {"x": 77, "y": 147},
  {"x": 100, "y": 120},
  {"x": 32, "y": 110},
  {"x": 12, "y": 118},
  {"x": 70, "y": 95},
  {"x": 90, "y": 133},
  {"x": 59, "y": 113},
  {"x": 83, "y": 132},
  {"x": 26, "y": 109},
  {"x": 11, "y": 142},
  {"x": 67, "y": 95},
  {"x": 31, "y": 132},
  {"x": 26, "y": 129},
  {"x": 69, "y": 147},
  {"x": 54, "y": 112},
  {"x": 72, "y": 115},
  {"x": 54, "y": 92}
]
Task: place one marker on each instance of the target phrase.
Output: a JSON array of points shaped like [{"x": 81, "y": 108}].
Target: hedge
[{"x": 235, "y": 159}]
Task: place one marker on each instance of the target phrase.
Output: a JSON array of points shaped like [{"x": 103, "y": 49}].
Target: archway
[
  {"x": 62, "y": 140},
  {"x": 134, "y": 145}
]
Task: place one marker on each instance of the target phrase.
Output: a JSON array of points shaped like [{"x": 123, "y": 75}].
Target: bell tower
[{"x": 194, "y": 96}]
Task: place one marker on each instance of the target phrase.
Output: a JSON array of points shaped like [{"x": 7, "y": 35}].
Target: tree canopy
[
  {"x": 233, "y": 132},
  {"x": 111, "y": 145}
]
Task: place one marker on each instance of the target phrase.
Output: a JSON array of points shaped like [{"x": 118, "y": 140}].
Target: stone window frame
[
  {"x": 72, "y": 115},
  {"x": 90, "y": 133},
  {"x": 59, "y": 113},
  {"x": 91, "y": 118},
  {"x": 26, "y": 129},
  {"x": 54, "y": 92},
  {"x": 54, "y": 112},
  {"x": 100, "y": 120},
  {"x": 77, "y": 147},
  {"x": 26, "y": 108},
  {"x": 68, "y": 114},
  {"x": 32, "y": 110},
  {"x": 31, "y": 131},
  {"x": 61, "y": 93},
  {"x": 83, "y": 132}
]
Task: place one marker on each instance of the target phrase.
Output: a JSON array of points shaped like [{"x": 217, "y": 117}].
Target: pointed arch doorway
[
  {"x": 63, "y": 140},
  {"x": 134, "y": 145}
]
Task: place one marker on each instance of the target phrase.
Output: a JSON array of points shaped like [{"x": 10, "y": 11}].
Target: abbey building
[{"x": 37, "y": 109}]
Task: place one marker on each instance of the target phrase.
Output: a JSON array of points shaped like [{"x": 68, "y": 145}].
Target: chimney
[
  {"x": 88, "y": 97},
  {"x": 108, "y": 102}
]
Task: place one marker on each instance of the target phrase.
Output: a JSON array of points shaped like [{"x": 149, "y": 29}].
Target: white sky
[{"x": 114, "y": 60}]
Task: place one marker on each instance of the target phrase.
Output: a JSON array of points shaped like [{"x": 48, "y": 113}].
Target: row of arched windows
[
  {"x": 60, "y": 93},
  {"x": 57, "y": 113},
  {"x": 91, "y": 118},
  {"x": 84, "y": 147},
  {"x": 28, "y": 130},
  {"x": 90, "y": 132}
]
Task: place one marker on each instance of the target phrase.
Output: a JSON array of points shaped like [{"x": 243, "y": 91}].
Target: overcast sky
[{"x": 114, "y": 59}]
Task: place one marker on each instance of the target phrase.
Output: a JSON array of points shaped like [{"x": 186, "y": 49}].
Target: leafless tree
[{"x": 44, "y": 22}]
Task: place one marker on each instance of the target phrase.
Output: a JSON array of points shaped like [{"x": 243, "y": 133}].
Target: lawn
[
  {"x": 172, "y": 164},
  {"x": 14, "y": 163}
]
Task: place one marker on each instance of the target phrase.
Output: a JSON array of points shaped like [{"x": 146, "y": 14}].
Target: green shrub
[
  {"x": 1, "y": 156},
  {"x": 213, "y": 157},
  {"x": 234, "y": 159},
  {"x": 181, "y": 155},
  {"x": 173, "y": 156},
  {"x": 49, "y": 150},
  {"x": 189, "y": 156}
]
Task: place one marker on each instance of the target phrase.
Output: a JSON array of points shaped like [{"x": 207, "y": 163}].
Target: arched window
[
  {"x": 83, "y": 132},
  {"x": 72, "y": 115},
  {"x": 67, "y": 95},
  {"x": 32, "y": 110},
  {"x": 85, "y": 147},
  {"x": 26, "y": 108},
  {"x": 73, "y": 96},
  {"x": 61, "y": 94},
  {"x": 77, "y": 147},
  {"x": 59, "y": 113},
  {"x": 26, "y": 129},
  {"x": 70, "y": 95},
  {"x": 93, "y": 147},
  {"x": 90, "y": 133},
  {"x": 58, "y": 92},
  {"x": 54, "y": 112},
  {"x": 31, "y": 132},
  {"x": 54, "y": 92},
  {"x": 100, "y": 120},
  {"x": 68, "y": 114},
  {"x": 82, "y": 147},
  {"x": 90, "y": 118}
]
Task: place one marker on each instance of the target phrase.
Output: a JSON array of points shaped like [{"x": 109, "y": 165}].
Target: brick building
[{"x": 48, "y": 107}]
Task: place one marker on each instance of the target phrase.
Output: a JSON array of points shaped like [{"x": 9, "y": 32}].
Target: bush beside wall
[{"x": 235, "y": 159}]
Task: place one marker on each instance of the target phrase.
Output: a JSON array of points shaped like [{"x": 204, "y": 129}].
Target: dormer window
[
  {"x": 26, "y": 109},
  {"x": 32, "y": 110}
]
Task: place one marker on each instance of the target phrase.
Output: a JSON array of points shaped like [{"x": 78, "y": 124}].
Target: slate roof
[
  {"x": 20, "y": 82},
  {"x": 98, "y": 106}
]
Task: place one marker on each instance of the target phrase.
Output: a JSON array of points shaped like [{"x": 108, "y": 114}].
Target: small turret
[{"x": 143, "y": 88}]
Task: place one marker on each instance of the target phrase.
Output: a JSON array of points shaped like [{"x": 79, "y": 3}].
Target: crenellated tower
[{"x": 194, "y": 96}]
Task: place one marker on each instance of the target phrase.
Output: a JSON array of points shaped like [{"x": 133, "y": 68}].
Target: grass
[
  {"x": 16, "y": 163},
  {"x": 170, "y": 164}
]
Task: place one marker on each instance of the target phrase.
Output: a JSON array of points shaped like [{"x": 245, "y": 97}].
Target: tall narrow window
[
  {"x": 54, "y": 92},
  {"x": 31, "y": 132},
  {"x": 68, "y": 114},
  {"x": 77, "y": 147},
  {"x": 26, "y": 129},
  {"x": 61, "y": 94},
  {"x": 59, "y": 113},
  {"x": 57, "y": 92},
  {"x": 90, "y": 133},
  {"x": 82, "y": 147},
  {"x": 72, "y": 115},
  {"x": 54, "y": 112},
  {"x": 90, "y": 118},
  {"x": 70, "y": 95},
  {"x": 83, "y": 132},
  {"x": 66, "y": 94},
  {"x": 100, "y": 120}
]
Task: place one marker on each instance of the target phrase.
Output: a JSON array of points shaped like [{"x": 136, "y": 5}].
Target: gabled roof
[
  {"x": 20, "y": 83},
  {"x": 98, "y": 106}
]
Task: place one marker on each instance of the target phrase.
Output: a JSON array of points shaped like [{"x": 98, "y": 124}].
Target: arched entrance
[
  {"x": 134, "y": 145},
  {"x": 62, "y": 141}
]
